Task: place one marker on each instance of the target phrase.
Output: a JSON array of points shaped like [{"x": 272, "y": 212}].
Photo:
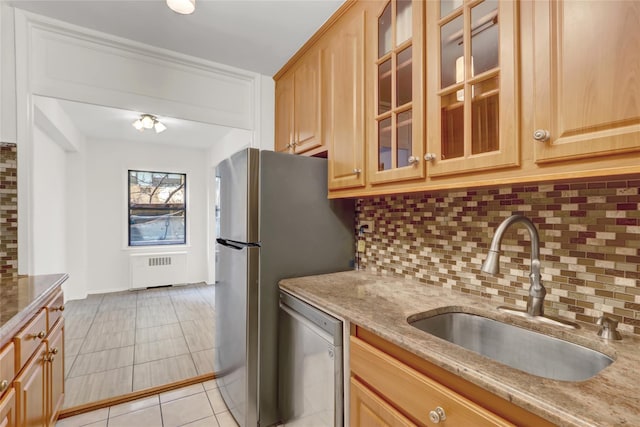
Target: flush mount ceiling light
[
  {"x": 147, "y": 121},
  {"x": 184, "y": 7}
]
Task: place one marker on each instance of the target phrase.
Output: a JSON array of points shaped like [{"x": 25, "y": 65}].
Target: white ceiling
[
  {"x": 101, "y": 123},
  {"x": 255, "y": 35}
]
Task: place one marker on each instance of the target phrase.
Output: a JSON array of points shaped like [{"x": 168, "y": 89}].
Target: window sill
[{"x": 156, "y": 248}]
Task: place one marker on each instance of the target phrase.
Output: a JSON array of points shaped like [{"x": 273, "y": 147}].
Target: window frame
[{"x": 155, "y": 243}]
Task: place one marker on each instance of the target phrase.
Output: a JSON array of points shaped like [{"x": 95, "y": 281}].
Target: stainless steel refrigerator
[{"x": 275, "y": 222}]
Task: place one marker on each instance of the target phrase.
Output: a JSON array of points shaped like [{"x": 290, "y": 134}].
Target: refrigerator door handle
[{"x": 233, "y": 244}]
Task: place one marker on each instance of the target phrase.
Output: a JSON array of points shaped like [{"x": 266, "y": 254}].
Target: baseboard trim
[{"x": 104, "y": 403}]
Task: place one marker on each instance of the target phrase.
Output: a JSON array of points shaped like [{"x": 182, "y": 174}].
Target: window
[{"x": 157, "y": 208}]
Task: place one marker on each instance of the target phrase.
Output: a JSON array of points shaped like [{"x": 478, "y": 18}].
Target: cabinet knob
[
  {"x": 413, "y": 160},
  {"x": 429, "y": 157},
  {"x": 60, "y": 308},
  {"x": 54, "y": 350},
  {"x": 40, "y": 335},
  {"x": 4, "y": 384},
  {"x": 541, "y": 135},
  {"x": 49, "y": 358},
  {"x": 357, "y": 171},
  {"x": 437, "y": 415}
]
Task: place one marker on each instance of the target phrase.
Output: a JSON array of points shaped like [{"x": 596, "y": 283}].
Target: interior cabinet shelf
[{"x": 487, "y": 75}]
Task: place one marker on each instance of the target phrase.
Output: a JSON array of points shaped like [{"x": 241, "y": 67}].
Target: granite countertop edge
[
  {"x": 382, "y": 305},
  {"x": 41, "y": 286}
]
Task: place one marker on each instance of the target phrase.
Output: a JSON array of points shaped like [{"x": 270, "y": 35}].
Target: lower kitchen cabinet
[
  {"x": 34, "y": 397},
  {"x": 40, "y": 384},
  {"x": 391, "y": 386},
  {"x": 30, "y": 387},
  {"x": 8, "y": 408},
  {"x": 55, "y": 372},
  {"x": 367, "y": 409}
]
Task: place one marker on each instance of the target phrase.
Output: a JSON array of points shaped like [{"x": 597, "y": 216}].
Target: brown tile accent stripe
[
  {"x": 8, "y": 211},
  {"x": 590, "y": 244}
]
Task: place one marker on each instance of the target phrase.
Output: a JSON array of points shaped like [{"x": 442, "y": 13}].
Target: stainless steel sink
[{"x": 519, "y": 348}]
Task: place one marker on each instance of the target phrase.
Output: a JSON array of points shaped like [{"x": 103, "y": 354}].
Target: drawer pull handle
[
  {"x": 40, "y": 335},
  {"x": 61, "y": 308},
  {"x": 437, "y": 415},
  {"x": 54, "y": 350},
  {"x": 4, "y": 384},
  {"x": 49, "y": 358}
]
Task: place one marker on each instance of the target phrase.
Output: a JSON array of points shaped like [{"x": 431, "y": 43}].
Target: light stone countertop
[
  {"x": 382, "y": 305},
  {"x": 21, "y": 298}
]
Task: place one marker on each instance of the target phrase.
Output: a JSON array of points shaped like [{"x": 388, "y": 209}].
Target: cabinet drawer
[
  {"x": 27, "y": 340},
  {"x": 55, "y": 307},
  {"x": 414, "y": 393},
  {"x": 7, "y": 367}
]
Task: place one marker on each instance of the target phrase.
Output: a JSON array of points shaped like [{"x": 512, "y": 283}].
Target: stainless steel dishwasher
[{"x": 310, "y": 365}]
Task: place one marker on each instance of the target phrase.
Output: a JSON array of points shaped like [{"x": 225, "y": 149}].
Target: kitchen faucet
[{"x": 537, "y": 292}]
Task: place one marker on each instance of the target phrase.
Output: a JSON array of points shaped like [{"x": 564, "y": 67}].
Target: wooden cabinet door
[
  {"x": 369, "y": 410},
  {"x": 31, "y": 406},
  {"x": 586, "y": 93},
  {"x": 55, "y": 371},
  {"x": 343, "y": 101},
  {"x": 8, "y": 409},
  {"x": 284, "y": 114},
  {"x": 306, "y": 102},
  {"x": 472, "y": 86},
  {"x": 395, "y": 77},
  {"x": 7, "y": 366}
]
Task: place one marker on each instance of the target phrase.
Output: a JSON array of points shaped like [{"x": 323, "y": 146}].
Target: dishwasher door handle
[{"x": 297, "y": 316}]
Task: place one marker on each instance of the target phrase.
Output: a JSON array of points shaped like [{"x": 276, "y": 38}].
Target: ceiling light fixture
[
  {"x": 147, "y": 121},
  {"x": 183, "y": 7}
]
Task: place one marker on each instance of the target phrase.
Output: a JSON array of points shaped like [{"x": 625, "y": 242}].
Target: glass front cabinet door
[
  {"x": 472, "y": 86},
  {"x": 395, "y": 56}
]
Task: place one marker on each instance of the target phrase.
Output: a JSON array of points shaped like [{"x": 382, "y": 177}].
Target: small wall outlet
[{"x": 366, "y": 226}]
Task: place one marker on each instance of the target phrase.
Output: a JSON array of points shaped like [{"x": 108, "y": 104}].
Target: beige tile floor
[
  {"x": 123, "y": 342},
  {"x": 198, "y": 405}
]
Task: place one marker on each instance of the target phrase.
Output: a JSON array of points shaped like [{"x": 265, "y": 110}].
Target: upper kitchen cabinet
[
  {"x": 343, "y": 98},
  {"x": 586, "y": 61},
  {"x": 298, "y": 107},
  {"x": 395, "y": 75},
  {"x": 284, "y": 114},
  {"x": 472, "y": 85}
]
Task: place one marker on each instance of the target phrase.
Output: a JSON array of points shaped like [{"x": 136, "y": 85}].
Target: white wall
[
  {"x": 76, "y": 224},
  {"x": 7, "y": 75},
  {"x": 267, "y": 113},
  {"x": 107, "y": 163},
  {"x": 49, "y": 205},
  {"x": 59, "y": 60},
  {"x": 57, "y": 215}
]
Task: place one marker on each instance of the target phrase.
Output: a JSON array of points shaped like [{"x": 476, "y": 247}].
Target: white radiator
[{"x": 147, "y": 270}]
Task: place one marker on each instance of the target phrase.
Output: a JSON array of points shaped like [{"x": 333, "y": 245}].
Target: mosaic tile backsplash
[
  {"x": 589, "y": 232},
  {"x": 8, "y": 211}
]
